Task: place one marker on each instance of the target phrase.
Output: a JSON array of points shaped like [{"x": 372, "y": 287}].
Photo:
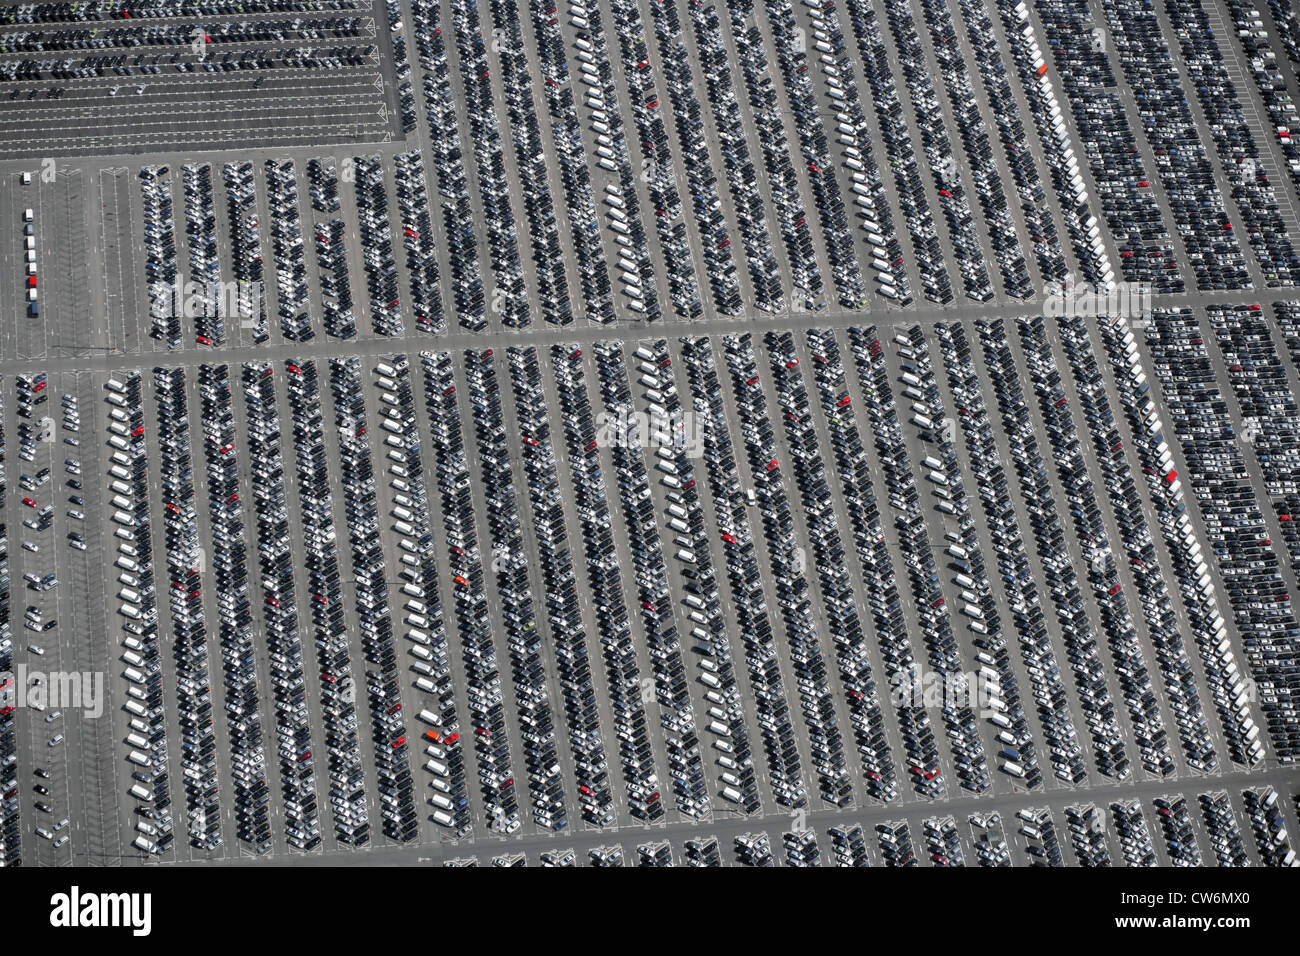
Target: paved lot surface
[{"x": 94, "y": 325}]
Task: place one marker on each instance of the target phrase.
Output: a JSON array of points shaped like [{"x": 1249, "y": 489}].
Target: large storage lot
[{"x": 620, "y": 433}]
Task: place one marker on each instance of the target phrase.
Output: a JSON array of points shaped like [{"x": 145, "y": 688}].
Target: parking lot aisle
[
  {"x": 71, "y": 263},
  {"x": 87, "y": 630},
  {"x": 93, "y": 337},
  {"x": 115, "y": 230}
]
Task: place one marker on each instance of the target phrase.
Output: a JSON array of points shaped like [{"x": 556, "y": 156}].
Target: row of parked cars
[
  {"x": 442, "y": 121},
  {"x": 928, "y": 117},
  {"x": 425, "y": 622},
  {"x": 10, "y": 822},
  {"x": 604, "y": 580},
  {"x": 665, "y": 432},
  {"x": 287, "y": 246},
  {"x": 377, "y": 245},
  {"x": 244, "y": 222},
  {"x": 574, "y": 173},
  {"x": 657, "y": 169},
  {"x": 750, "y": 615},
  {"x": 509, "y": 565},
  {"x": 1133, "y": 674},
  {"x": 205, "y": 268},
  {"x": 1060, "y": 575},
  {"x": 789, "y": 567},
  {"x": 1271, "y": 421},
  {"x": 1180, "y": 681},
  {"x": 1235, "y": 526},
  {"x": 419, "y": 241},
  {"x": 828, "y": 556},
  {"x": 1124, "y": 191},
  {"x": 1234, "y": 141},
  {"x": 509, "y": 295},
  {"x": 374, "y": 614},
  {"x": 701, "y": 179},
  {"x": 160, "y": 254},
  {"x": 1164, "y": 487},
  {"x": 128, "y": 475},
  {"x": 338, "y": 692},
  {"x": 275, "y": 564},
  {"x": 671, "y": 688},
  {"x": 1200, "y": 214},
  {"x": 229, "y": 572},
  {"x": 1270, "y": 82},
  {"x": 853, "y": 136},
  {"x": 531, "y": 165},
  {"x": 900, "y": 154},
  {"x": 487, "y": 728},
  {"x": 814, "y": 149},
  {"x": 559, "y": 579},
  {"x": 1020, "y": 587},
  {"x": 198, "y": 757},
  {"x": 792, "y": 224}
]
